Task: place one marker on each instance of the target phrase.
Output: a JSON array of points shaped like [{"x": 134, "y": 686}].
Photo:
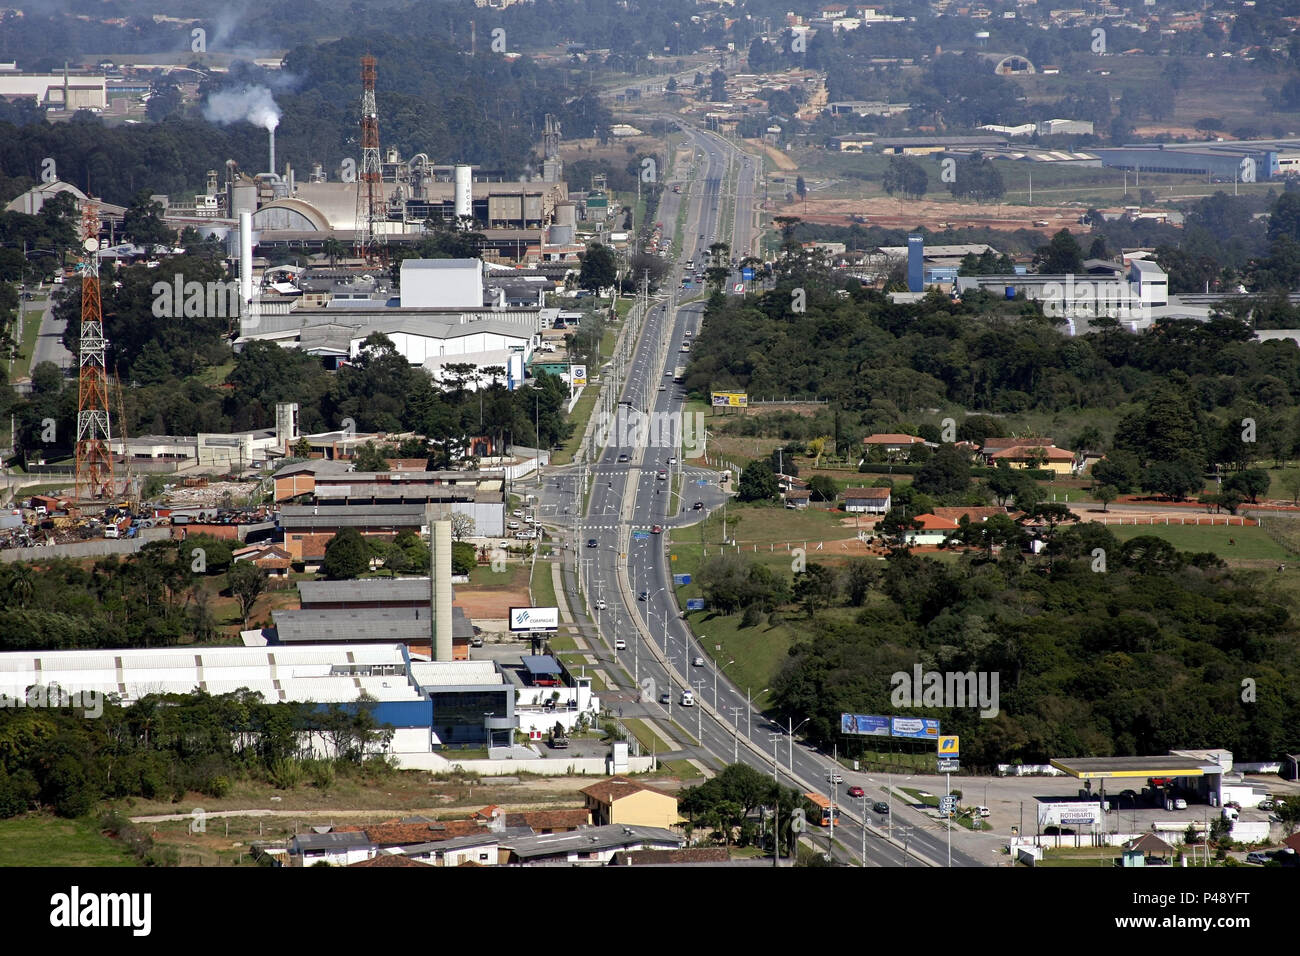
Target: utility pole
[{"x": 735, "y": 735}]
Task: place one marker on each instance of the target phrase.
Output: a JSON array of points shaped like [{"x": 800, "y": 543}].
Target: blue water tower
[{"x": 915, "y": 263}]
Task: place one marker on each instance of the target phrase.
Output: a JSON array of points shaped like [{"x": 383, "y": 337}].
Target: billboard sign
[
  {"x": 747, "y": 274},
  {"x": 730, "y": 399},
  {"x": 681, "y": 580},
  {"x": 948, "y": 765},
  {"x": 948, "y": 747},
  {"x": 864, "y": 725},
  {"x": 534, "y": 618},
  {"x": 1070, "y": 813},
  {"x": 695, "y": 604},
  {"x": 738, "y": 288},
  {"x": 917, "y": 728},
  {"x": 577, "y": 375}
]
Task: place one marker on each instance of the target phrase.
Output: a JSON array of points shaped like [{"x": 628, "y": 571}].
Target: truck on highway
[{"x": 679, "y": 373}]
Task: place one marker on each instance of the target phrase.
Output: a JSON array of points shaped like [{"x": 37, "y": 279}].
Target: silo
[{"x": 464, "y": 191}]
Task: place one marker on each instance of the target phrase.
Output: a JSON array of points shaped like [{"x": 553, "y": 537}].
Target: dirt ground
[
  {"x": 490, "y": 603},
  {"x": 909, "y": 213}
]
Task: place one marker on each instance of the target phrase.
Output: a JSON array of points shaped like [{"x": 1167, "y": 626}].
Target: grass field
[
  {"x": 1251, "y": 544},
  {"x": 37, "y": 840},
  {"x": 542, "y": 587}
]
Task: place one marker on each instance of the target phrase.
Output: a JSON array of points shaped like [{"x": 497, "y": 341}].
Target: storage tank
[
  {"x": 566, "y": 214},
  {"x": 560, "y": 235},
  {"x": 464, "y": 191}
]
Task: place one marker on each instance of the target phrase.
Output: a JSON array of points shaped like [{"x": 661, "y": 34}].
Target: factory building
[
  {"x": 69, "y": 90},
  {"x": 1239, "y": 160}
]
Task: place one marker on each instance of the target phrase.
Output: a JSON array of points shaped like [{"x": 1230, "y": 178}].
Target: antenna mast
[
  {"x": 370, "y": 200},
  {"x": 93, "y": 456}
]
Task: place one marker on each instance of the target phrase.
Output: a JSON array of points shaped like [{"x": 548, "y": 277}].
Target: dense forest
[
  {"x": 488, "y": 111},
  {"x": 1157, "y": 649},
  {"x": 162, "y": 747}
]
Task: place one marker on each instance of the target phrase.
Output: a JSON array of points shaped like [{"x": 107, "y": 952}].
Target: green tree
[
  {"x": 370, "y": 457},
  {"x": 599, "y": 270},
  {"x": 246, "y": 582},
  {"x": 822, "y": 487},
  {"x": 346, "y": 556},
  {"x": 1061, "y": 255},
  {"x": 1106, "y": 494},
  {"x": 463, "y": 557},
  {"x": 947, "y": 473},
  {"x": 757, "y": 483}
]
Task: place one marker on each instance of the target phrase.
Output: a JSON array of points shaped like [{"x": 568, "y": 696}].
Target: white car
[
  {"x": 512, "y": 525},
  {"x": 698, "y": 662},
  {"x": 982, "y": 811},
  {"x": 525, "y": 535},
  {"x": 834, "y": 776},
  {"x": 620, "y": 644},
  {"x": 600, "y": 605},
  {"x": 688, "y": 699},
  {"x": 1180, "y": 804},
  {"x": 673, "y": 460},
  {"x": 517, "y": 513}
]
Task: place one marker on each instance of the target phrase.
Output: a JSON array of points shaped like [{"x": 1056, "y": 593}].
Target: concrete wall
[
  {"x": 94, "y": 548},
  {"x": 548, "y": 766}
]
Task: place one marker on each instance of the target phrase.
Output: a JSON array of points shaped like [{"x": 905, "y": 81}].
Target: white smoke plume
[{"x": 252, "y": 103}]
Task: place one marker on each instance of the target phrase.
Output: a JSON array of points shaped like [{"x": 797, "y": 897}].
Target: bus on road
[{"x": 824, "y": 805}]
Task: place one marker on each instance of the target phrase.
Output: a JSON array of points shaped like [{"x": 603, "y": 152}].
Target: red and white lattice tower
[
  {"x": 370, "y": 197},
  {"x": 93, "y": 455}
]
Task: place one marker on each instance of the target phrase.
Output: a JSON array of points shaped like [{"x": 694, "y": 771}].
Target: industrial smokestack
[
  {"x": 271, "y": 133},
  {"x": 245, "y": 260},
  {"x": 464, "y": 192},
  {"x": 440, "y": 583}
]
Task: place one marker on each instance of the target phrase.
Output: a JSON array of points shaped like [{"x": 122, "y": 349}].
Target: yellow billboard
[{"x": 730, "y": 399}]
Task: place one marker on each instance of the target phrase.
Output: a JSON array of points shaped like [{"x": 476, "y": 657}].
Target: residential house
[
  {"x": 334, "y": 848},
  {"x": 798, "y": 500},
  {"x": 619, "y": 800},
  {"x": 389, "y": 860},
  {"x": 933, "y": 531},
  {"x": 891, "y": 446},
  {"x": 271, "y": 558},
  {"x": 875, "y": 501},
  {"x": 539, "y": 821},
  {"x": 1029, "y": 455},
  {"x": 590, "y": 845}
]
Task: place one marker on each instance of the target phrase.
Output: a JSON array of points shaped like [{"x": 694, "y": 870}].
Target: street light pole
[
  {"x": 699, "y": 713},
  {"x": 735, "y": 734}
]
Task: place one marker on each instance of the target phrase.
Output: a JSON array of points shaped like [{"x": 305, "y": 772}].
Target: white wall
[{"x": 445, "y": 287}]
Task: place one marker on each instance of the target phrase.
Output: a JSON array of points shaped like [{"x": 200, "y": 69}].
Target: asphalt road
[{"x": 625, "y": 564}]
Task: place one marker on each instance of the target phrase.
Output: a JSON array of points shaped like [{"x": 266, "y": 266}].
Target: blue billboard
[
  {"x": 747, "y": 274},
  {"x": 681, "y": 580},
  {"x": 695, "y": 604},
  {"x": 863, "y": 724},
  {"x": 917, "y": 728},
  {"x": 914, "y": 728}
]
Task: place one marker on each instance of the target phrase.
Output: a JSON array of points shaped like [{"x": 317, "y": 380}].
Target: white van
[{"x": 688, "y": 699}]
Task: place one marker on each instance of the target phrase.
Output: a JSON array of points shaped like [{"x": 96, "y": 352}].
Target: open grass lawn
[
  {"x": 514, "y": 576},
  {"x": 682, "y": 769},
  {"x": 543, "y": 587},
  {"x": 1250, "y": 543},
  {"x": 40, "y": 840},
  {"x": 581, "y": 413},
  {"x": 1080, "y": 856}
]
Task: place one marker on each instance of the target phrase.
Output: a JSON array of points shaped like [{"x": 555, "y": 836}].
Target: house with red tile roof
[{"x": 620, "y": 800}]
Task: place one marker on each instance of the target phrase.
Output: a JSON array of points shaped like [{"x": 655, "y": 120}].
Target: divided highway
[{"x": 620, "y": 538}]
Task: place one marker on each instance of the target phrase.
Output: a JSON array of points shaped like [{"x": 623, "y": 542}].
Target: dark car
[
  {"x": 592, "y": 543},
  {"x": 698, "y": 506},
  {"x": 856, "y": 791},
  {"x": 623, "y": 458},
  {"x": 880, "y": 807}
]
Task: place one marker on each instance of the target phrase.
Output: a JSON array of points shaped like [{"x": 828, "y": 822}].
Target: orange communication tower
[
  {"x": 370, "y": 197},
  {"x": 94, "y": 458}
]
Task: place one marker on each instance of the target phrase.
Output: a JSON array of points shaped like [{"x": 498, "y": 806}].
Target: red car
[
  {"x": 657, "y": 529},
  {"x": 857, "y": 792}
]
